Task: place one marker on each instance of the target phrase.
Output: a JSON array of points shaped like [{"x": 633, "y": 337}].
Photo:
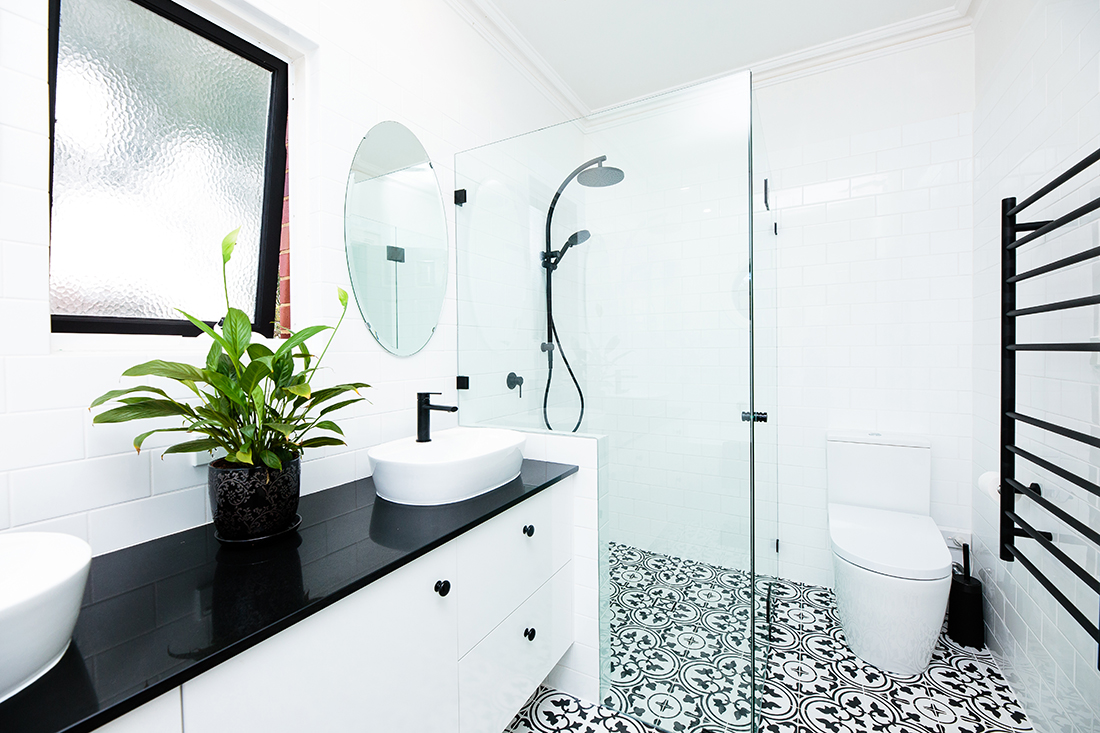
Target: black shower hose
[{"x": 550, "y": 374}]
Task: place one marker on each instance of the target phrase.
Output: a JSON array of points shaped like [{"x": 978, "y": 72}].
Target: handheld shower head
[{"x": 576, "y": 238}]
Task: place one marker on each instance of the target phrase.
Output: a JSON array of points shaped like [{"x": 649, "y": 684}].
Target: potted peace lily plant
[{"x": 255, "y": 404}]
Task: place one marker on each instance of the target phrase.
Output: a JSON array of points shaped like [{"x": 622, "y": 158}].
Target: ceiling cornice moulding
[
  {"x": 930, "y": 28},
  {"x": 950, "y": 22},
  {"x": 495, "y": 28}
]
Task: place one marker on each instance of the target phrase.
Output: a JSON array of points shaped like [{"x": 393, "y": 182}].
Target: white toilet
[{"x": 892, "y": 566}]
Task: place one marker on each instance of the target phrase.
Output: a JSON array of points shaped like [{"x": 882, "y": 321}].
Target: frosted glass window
[{"x": 162, "y": 143}]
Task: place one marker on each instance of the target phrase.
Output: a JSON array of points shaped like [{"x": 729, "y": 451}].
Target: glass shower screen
[{"x": 643, "y": 337}]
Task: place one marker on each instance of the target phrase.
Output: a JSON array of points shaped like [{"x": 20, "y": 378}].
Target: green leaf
[
  {"x": 282, "y": 371},
  {"x": 225, "y": 365},
  {"x": 259, "y": 403},
  {"x": 257, "y": 351},
  {"x": 281, "y": 427},
  {"x": 217, "y": 417},
  {"x": 304, "y": 355},
  {"x": 299, "y": 338},
  {"x": 228, "y": 387},
  {"x": 194, "y": 446},
  {"x": 228, "y": 244},
  {"x": 213, "y": 356},
  {"x": 329, "y": 425},
  {"x": 339, "y": 405},
  {"x": 244, "y": 455},
  {"x": 205, "y": 329},
  {"x": 141, "y": 438},
  {"x": 237, "y": 330},
  {"x": 319, "y": 442},
  {"x": 343, "y": 296},
  {"x": 271, "y": 460},
  {"x": 302, "y": 390},
  {"x": 167, "y": 369},
  {"x": 255, "y": 372},
  {"x": 328, "y": 393},
  {"x": 149, "y": 408},
  {"x": 119, "y": 392}
]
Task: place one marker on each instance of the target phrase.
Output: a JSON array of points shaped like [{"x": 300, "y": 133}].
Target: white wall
[
  {"x": 355, "y": 64},
  {"x": 871, "y": 167},
  {"x": 1037, "y": 113}
]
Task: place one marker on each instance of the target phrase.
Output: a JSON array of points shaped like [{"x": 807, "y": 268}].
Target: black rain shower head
[{"x": 600, "y": 176}]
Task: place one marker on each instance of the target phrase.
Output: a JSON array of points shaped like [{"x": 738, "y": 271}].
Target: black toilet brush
[{"x": 965, "y": 622}]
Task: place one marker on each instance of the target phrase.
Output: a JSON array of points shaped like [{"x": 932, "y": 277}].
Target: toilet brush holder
[{"x": 965, "y": 621}]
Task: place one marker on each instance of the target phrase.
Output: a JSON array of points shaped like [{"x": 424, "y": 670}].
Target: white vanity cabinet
[
  {"x": 161, "y": 715},
  {"x": 516, "y": 611},
  {"x": 382, "y": 659},
  {"x": 397, "y": 656},
  {"x": 498, "y": 675}
]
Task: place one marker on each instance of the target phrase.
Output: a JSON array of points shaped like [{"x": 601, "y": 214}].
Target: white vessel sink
[
  {"x": 42, "y": 576},
  {"x": 457, "y": 464}
]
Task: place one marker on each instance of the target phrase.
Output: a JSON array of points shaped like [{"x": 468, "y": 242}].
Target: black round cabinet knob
[
  {"x": 529, "y": 633},
  {"x": 442, "y": 587},
  {"x": 529, "y": 530}
]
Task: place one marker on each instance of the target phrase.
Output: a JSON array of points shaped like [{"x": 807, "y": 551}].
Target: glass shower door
[{"x": 765, "y": 463}]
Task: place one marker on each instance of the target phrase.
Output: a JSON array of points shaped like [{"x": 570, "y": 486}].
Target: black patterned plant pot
[{"x": 252, "y": 503}]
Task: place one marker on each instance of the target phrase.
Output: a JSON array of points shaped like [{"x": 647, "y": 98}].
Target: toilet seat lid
[{"x": 892, "y": 543}]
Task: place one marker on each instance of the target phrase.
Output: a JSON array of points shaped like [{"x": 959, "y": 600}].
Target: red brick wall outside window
[{"x": 282, "y": 304}]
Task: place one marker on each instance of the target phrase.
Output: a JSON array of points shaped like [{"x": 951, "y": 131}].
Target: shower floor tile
[{"x": 681, "y": 661}]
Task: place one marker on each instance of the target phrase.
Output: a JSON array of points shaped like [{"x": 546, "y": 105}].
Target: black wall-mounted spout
[{"x": 424, "y": 409}]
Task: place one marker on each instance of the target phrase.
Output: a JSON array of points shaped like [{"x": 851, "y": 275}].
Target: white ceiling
[{"x": 603, "y": 52}]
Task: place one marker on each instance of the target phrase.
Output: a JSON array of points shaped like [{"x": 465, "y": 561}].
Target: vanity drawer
[
  {"x": 499, "y": 674},
  {"x": 502, "y": 562}
]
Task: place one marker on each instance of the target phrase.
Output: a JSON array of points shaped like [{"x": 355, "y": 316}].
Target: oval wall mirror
[{"x": 395, "y": 234}]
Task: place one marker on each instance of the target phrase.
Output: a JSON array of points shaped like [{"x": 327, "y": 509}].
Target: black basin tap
[{"x": 424, "y": 409}]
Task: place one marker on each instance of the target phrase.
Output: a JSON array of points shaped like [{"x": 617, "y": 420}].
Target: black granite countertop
[{"x": 160, "y": 613}]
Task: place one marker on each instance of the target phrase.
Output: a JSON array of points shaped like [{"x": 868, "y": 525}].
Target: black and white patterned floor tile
[{"x": 681, "y": 661}]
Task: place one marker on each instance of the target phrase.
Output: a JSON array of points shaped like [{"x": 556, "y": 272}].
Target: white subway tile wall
[
  {"x": 1037, "y": 113},
  {"x": 58, "y": 471},
  {"x": 874, "y": 296}
]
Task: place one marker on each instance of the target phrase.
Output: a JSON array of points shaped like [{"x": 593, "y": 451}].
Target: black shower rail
[{"x": 1012, "y": 526}]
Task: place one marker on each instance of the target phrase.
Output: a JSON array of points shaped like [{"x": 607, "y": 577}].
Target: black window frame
[{"x": 267, "y": 277}]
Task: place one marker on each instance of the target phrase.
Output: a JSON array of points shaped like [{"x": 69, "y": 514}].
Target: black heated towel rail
[{"x": 1012, "y": 526}]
